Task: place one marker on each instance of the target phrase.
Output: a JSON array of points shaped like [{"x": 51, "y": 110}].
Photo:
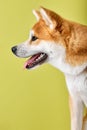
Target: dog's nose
[{"x": 14, "y": 49}]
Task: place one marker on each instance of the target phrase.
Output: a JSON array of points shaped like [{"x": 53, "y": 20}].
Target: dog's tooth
[
  {"x": 41, "y": 55},
  {"x": 39, "y": 58}
]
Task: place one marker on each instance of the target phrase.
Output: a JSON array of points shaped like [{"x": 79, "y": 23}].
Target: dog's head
[{"x": 46, "y": 41}]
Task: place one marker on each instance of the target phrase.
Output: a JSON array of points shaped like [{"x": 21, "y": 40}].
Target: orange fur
[
  {"x": 77, "y": 48},
  {"x": 72, "y": 36}
]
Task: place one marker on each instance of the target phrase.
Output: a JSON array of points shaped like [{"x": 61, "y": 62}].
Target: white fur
[
  {"x": 77, "y": 86},
  {"x": 36, "y": 15},
  {"x": 76, "y": 77},
  {"x": 46, "y": 18},
  {"x": 60, "y": 63}
]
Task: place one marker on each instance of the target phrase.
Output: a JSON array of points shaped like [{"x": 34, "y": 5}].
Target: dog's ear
[
  {"x": 51, "y": 18},
  {"x": 37, "y": 15}
]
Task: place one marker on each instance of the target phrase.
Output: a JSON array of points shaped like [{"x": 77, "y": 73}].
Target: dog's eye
[{"x": 34, "y": 38}]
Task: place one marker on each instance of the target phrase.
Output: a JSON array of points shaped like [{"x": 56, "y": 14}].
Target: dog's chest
[
  {"x": 75, "y": 77},
  {"x": 77, "y": 86}
]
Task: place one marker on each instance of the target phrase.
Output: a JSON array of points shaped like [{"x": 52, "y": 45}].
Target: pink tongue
[{"x": 32, "y": 59}]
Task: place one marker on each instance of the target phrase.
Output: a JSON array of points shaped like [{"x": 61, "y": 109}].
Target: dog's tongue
[{"x": 31, "y": 60}]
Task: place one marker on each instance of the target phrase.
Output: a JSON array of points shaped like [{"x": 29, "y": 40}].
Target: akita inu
[{"x": 63, "y": 44}]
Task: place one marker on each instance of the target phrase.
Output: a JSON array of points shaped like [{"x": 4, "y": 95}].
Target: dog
[{"x": 63, "y": 44}]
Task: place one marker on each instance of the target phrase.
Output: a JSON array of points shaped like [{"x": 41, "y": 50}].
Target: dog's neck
[{"x": 60, "y": 63}]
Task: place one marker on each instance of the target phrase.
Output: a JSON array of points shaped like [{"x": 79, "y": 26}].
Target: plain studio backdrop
[{"x": 37, "y": 99}]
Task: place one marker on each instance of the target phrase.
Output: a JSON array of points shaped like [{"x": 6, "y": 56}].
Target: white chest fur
[
  {"x": 76, "y": 77},
  {"x": 77, "y": 85}
]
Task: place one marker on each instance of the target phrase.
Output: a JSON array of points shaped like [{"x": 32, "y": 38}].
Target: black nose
[{"x": 14, "y": 49}]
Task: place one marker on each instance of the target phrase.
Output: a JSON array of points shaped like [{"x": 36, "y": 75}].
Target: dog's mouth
[{"x": 35, "y": 60}]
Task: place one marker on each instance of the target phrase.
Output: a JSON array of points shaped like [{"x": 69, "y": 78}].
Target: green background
[{"x": 37, "y": 99}]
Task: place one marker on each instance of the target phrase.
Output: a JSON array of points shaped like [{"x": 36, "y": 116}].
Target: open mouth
[{"x": 35, "y": 60}]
